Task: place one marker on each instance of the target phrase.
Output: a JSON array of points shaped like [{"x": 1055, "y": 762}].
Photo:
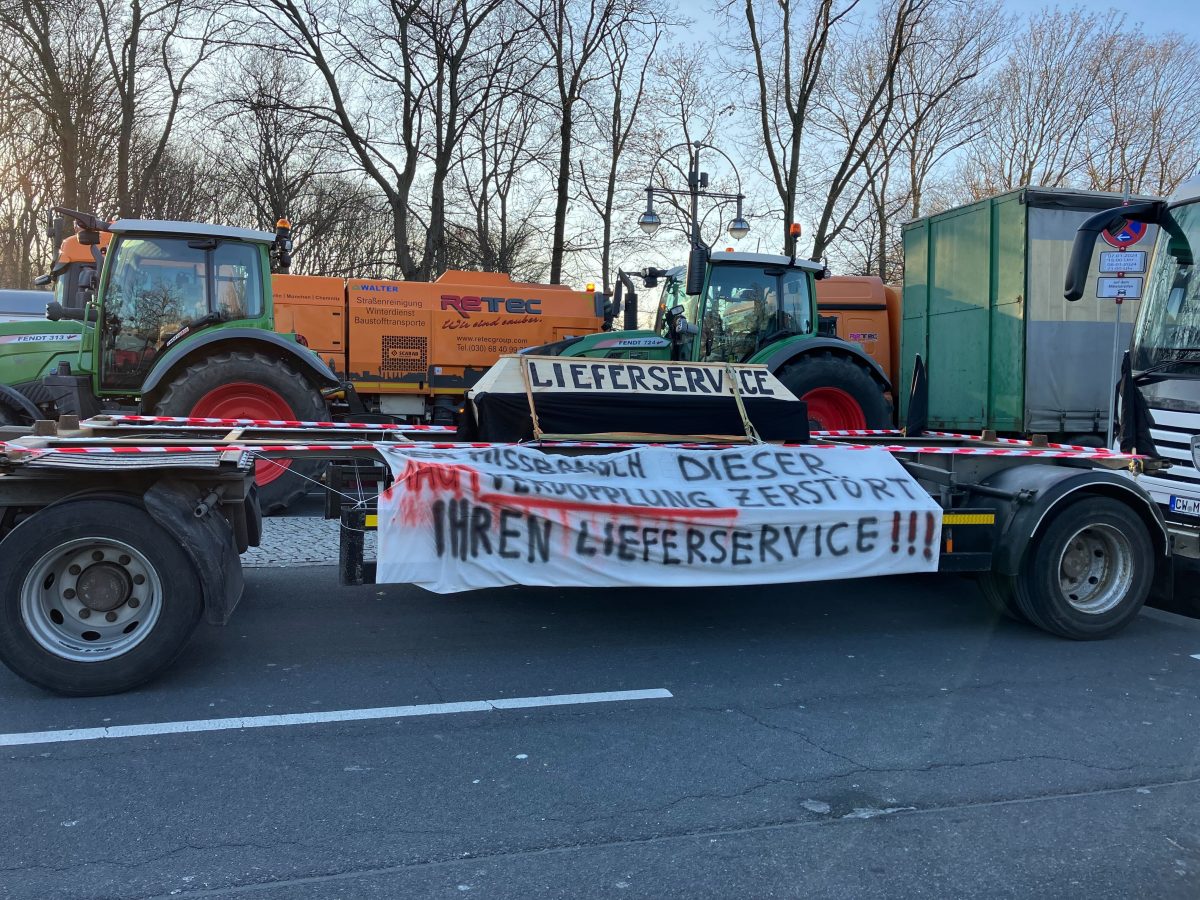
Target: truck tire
[
  {"x": 1087, "y": 573},
  {"x": 243, "y": 384},
  {"x": 840, "y": 394},
  {"x": 95, "y": 598},
  {"x": 998, "y": 591}
]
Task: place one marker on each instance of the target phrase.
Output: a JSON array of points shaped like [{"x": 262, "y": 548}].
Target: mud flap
[{"x": 207, "y": 540}]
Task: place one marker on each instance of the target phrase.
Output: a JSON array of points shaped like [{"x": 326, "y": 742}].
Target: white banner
[{"x": 460, "y": 519}]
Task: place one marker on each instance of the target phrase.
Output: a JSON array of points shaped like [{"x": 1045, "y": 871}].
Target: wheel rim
[
  {"x": 1094, "y": 569},
  {"x": 832, "y": 409},
  {"x": 244, "y": 400},
  {"x": 91, "y": 599}
]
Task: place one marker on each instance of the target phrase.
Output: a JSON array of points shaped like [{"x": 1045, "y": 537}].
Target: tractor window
[
  {"x": 236, "y": 280},
  {"x": 156, "y": 286},
  {"x": 747, "y": 308},
  {"x": 159, "y": 286}
]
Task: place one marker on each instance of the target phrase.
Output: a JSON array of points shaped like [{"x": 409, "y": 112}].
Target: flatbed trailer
[{"x": 118, "y": 534}]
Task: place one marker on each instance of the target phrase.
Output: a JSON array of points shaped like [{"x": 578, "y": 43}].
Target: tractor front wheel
[
  {"x": 246, "y": 385},
  {"x": 841, "y": 395}
]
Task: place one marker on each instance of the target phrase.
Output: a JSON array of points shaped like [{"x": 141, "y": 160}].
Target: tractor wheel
[
  {"x": 840, "y": 393},
  {"x": 243, "y": 384},
  {"x": 95, "y": 598},
  {"x": 7, "y": 416}
]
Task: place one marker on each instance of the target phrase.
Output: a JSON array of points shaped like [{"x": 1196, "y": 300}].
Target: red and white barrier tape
[
  {"x": 209, "y": 422},
  {"x": 1045, "y": 453}
]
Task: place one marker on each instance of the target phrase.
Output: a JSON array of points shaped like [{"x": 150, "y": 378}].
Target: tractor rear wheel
[
  {"x": 243, "y": 384},
  {"x": 840, "y": 394}
]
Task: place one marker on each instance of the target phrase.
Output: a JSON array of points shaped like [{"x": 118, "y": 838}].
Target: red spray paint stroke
[
  {"x": 425, "y": 481},
  {"x": 896, "y": 532},
  {"x": 912, "y": 533},
  {"x": 930, "y": 521}
]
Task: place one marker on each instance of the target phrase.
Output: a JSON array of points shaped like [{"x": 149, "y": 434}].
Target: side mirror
[
  {"x": 88, "y": 238},
  {"x": 697, "y": 263},
  {"x": 677, "y": 309},
  {"x": 1085, "y": 239},
  {"x": 42, "y": 280}
]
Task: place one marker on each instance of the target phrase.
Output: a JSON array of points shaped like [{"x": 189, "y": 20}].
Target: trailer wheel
[
  {"x": 1087, "y": 574},
  {"x": 242, "y": 384},
  {"x": 95, "y": 598},
  {"x": 839, "y": 393}
]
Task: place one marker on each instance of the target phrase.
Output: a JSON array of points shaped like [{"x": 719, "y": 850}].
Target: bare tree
[
  {"x": 628, "y": 54},
  {"x": 1041, "y": 104},
  {"x": 575, "y": 33},
  {"x": 1146, "y": 137},
  {"x": 788, "y": 42}
]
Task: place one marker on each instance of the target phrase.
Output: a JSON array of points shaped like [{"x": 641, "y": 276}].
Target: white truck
[{"x": 1165, "y": 352}]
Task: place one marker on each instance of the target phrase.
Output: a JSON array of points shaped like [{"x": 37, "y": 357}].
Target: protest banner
[{"x": 460, "y": 519}]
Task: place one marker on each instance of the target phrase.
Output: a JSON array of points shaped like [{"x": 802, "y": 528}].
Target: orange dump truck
[{"x": 413, "y": 348}]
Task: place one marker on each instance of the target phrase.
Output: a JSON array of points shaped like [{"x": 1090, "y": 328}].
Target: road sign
[
  {"x": 1113, "y": 288},
  {"x": 1131, "y": 262},
  {"x": 1127, "y": 236}
]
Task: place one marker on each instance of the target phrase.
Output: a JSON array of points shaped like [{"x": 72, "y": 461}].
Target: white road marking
[{"x": 312, "y": 718}]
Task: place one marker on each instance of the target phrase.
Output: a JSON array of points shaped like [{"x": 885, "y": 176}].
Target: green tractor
[
  {"x": 175, "y": 319},
  {"x": 747, "y": 308}
]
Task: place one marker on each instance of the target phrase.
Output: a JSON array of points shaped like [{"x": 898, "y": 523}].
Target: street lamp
[{"x": 697, "y": 187}]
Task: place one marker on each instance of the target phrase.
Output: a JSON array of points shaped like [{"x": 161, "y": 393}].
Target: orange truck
[
  {"x": 412, "y": 348},
  {"x": 864, "y": 310}
]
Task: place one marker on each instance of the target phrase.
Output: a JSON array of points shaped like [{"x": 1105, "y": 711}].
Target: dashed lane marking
[{"x": 313, "y": 718}]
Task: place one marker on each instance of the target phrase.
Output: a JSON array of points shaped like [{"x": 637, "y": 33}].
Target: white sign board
[
  {"x": 1128, "y": 262},
  {"x": 1111, "y": 288},
  {"x": 458, "y": 519}
]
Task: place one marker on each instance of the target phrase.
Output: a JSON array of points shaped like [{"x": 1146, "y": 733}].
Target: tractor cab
[
  {"x": 751, "y": 301},
  {"x": 164, "y": 281}
]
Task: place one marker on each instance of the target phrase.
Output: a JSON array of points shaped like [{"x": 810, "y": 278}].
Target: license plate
[{"x": 1189, "y": 506}]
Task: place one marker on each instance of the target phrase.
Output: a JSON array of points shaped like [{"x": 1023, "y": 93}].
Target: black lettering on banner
[
  {"x": 458, "y": 524},
  {"x": 903, "y": 484},
  {"x": 813, "y": 495},
  {"x": 647, "y": 543},
  {"x": 626, "y": 543},
  {"x": 660, "y": 382},
  {"x": 879, "y": 488},
  {"x": 741, "y": 496},
  {"x": 669, "y": 544},
  {"x": 582, "y": 546},
  {"x": 766, "y": 544},
  {"x": 608, "y": 538},
  {"x": 720, "y": 546},
  {"x": 539, "y": 540},
  {"x": 760, "y": 378},
  {"x": 734, "y": 467},
  {"x": 506, "y": 533},
  {"x": 637, "y": 378},
  {"x": 829, "y": 533},
  {"x": 852, "y": 487},
  {"x": 695, "y": 545},
  {"x": 792, "y": 492},
  {"x": 714, "y": 379},
  {"x": 558, "y": 375},
  {"x": 698, "y": 470},
  {"x": 695, "y": 381},
  {"x": 673, "y": 376},
  {"x": 867, "y": 534},
  {"x": 794, "y": 536},
  {"x": 617, "y": 376},
  {"x": 439, "y": 534},
  {"x": 481, "y": 524},
  {"x": 747, "y": 388},
  {"x": 815, "y": 463},
  {"x": 768, "y": 494},
  {"x": 742, "y": 547},
  {"x": 824, "y": 482},
  {"x": 578, "y": 370},
  {"x": 598, "y": 374},
  {"x": 535, "y": 380}
]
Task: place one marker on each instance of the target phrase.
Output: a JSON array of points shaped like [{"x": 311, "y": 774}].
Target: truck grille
[{"x": 1172, "y": 433}]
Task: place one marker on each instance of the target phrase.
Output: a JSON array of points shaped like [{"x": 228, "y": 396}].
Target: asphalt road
[{"x": 870, "y": 739}]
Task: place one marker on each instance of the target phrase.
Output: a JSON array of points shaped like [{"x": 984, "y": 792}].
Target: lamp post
[{"x": 697, "y": 188}]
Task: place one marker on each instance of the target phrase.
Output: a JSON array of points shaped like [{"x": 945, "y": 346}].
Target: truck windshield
[
  {"x": 748, "y": 307},
  {"x": 1169, "y": 324}
]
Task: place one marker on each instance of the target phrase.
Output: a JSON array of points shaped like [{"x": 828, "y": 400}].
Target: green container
[{"x": 984, "y": 307}]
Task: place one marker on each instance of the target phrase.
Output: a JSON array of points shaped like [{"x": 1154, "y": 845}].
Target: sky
[{"x": 1156, "y": 16}]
